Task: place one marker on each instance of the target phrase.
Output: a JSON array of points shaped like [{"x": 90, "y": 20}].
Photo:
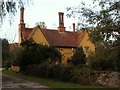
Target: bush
[
  {"x": 45, "y": 70},
  {"x": 67, "y": 72},
  {"x": 32, "y": 53},
  {"x": 16, "y": 56},
  {"x": 5, "y": 53},
  {"x": 79, "y": 57},
  {"x": 101, "y": 59},
  {"x": 55, "y": 71},
  {"x": 36, "y": 69},
  {"x": 81, "y": 74}
]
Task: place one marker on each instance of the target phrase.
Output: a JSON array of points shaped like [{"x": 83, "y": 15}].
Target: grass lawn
[{"x": 55, "y": 84}]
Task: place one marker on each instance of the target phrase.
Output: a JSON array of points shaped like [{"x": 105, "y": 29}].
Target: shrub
[
  {"x": 67, "y": 72},
  {"x": 55, "y": 71},
  {"x": 79, "y": 57},
  {"x": 5, "y": 53},
  {"x": 54, "y": 54},
  {"x": 101, "y": 59},
  {"x": 78, "y": 74},
  {"x": 81, "y": 74},
  {"x": 37, "y": 69},
  {"x": 16, "y": 56},
  {"x": 32, "y": 53}
]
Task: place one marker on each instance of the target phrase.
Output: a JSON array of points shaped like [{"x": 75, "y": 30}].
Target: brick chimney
[
  {"x": 21, "y": 26},
  {"x": 73, "y": 27},
  {"x": 22, "y": 15},
  {"x": 61, "y": 27}
]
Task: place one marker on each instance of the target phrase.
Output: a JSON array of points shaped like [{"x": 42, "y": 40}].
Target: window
[
  {"x": 57, "y": 48},
  {"x": 86, "y": 48},
  {"x": 73, "y": 49}
]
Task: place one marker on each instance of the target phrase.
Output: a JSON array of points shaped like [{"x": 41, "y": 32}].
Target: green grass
[{"x": 52, "y": 83}]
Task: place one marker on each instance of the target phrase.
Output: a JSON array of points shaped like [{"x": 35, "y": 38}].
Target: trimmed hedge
[{"x": 77, "y": 74}]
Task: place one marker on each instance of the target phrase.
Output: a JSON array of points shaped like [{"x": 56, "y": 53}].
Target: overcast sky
[{"x": 40, "y": 10}]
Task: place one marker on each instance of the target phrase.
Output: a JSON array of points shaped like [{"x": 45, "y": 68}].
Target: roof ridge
[
  {"x": 58, "y": 31},
  {"x": 31, "y": 33},
  {"x": 82, "y": 36}
]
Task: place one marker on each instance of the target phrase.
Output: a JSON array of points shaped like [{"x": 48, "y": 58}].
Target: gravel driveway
[{"x": 14, "y": 82}]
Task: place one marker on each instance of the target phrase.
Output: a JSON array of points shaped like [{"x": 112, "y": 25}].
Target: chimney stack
[
  {"x": 73, "y": 27},
  {"x": 21, "y": 27},
  {"x": 22, "y": 15},
  {"x": 61, "y": 27}
]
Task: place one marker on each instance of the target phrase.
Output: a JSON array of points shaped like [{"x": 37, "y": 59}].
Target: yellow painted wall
[
  {"x": 86, "y": 42},
  {"x": 66, "y": 53},
  {"x": 38, "y": 37}
]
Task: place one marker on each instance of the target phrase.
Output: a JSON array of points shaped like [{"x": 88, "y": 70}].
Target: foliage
[
  {"x": 5, "y": 49},
  {"x": 15, "y": 56},
  {"x": 9, "y": 7},
  {"x": 116, "y": 54},
  {"x": 102, "y": 16},
  {"x": 79, "y": 57},
  {"x": 45, "y": 70},
  {"x": 105, "y": 58},
  {"x": 67, "y": 73},
  {"x": 0, "y": 52},
  {"x": 80, "y": 74},
  {"x": 51, "y": 83},
  {"x": 5, "y": 53},
  {"x": 41, "y": 25},
  {"x": 33, "y": 53},
  {"x": 54, "y": 54}
]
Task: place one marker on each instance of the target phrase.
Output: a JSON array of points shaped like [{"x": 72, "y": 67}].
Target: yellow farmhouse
[{"x": 65, "y": 41}]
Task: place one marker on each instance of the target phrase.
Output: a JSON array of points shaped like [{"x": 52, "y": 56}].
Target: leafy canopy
[
  {"x": 10, "y": 7},
  {"x": 102, "y": 16}
]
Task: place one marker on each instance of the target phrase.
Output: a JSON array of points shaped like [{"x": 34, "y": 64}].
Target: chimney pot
[
  {"x": 73, "y": 27},
  {"x": 61, "y": 27},
  {"x": 22, "y": 15}
]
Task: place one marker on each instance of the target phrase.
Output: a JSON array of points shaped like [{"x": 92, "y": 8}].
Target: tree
[
  {"x": 54, "y": 55},
  {"x": 116, "y": 54},
  {"x": 5, "y": 53},
  {"x": 5, "y": 49},
  {"x": 9, "y": 7},
  {"x": 79, "y": 57},
  {"x": 101, "y": 59},
  {"x": 41, "y": 25},
  {"x": 33, "y": 53},
  {"x": 103, "y": 20},
  {"x": 103, "y": 17}
]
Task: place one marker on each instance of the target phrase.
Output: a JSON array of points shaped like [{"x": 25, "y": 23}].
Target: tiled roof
[
  {"x": 80, "y": 36},
  {"x": 30, "y": 34},
  {"x": 60, "y": 39},
  {"x": 27, "y": 32},
  {"x": 55, "y": 38}
]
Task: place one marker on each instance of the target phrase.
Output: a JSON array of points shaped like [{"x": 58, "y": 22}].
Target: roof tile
[{"x": 59, "y": 39}]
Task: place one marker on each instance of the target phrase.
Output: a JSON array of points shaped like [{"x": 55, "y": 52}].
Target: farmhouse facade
[{"x": 64, "y": 41}]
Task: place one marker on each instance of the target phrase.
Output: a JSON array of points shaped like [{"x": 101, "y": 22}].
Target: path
[{"x": 14, "y": 82}]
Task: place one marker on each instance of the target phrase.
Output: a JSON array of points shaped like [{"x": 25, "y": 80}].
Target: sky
[{"x": 40, "y": 10}]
